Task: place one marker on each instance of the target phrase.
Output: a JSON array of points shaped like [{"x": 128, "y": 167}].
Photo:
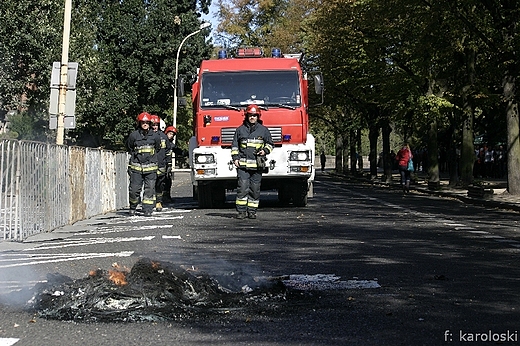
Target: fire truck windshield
[{"x": 270, "y": 88}]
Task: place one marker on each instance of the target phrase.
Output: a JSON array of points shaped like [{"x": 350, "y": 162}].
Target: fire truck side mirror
[{"x": 318, "y": 83}]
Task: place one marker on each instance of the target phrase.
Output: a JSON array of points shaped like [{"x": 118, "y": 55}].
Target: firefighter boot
[
  {"x": 131, "y": 212},
  {"x": 252, "y": 215},
  {"x": 241, "y": 215},
  {"x": 158, "y": 206}
]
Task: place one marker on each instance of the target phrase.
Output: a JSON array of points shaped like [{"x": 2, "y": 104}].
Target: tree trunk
[
  {"x": 359, "y": 156},
  {"x": 468, "y": 147},
  {"x": 346, "y": 150},
  {"x": 510, "y": 97},
  {"x": 387, "y": 160},
  {"x": 433, "y": 154},
  {"x": 453, "y": 157},
  {"x": 339, "y": 153},
  {"x": 353, "y": 160},
  {"x": 373, "y": 134},
  {"x": 513, "y": 133}
]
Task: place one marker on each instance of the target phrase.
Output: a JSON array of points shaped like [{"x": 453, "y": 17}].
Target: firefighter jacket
[
  {"x": 174, "y": 149},
  {"x": 164, "y": 154},
  {"x": 248, "y": 140},
  {"x": 143, "y": 148}
]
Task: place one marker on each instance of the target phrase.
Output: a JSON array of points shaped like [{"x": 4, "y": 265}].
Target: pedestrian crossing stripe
[
  {"x": 87, "y": 241},
  {"x": 55, "y": 258},
  {"x": 8, "y": 341}
]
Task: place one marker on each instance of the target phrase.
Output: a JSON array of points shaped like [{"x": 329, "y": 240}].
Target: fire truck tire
[
  {"x": 211, "y": 195},
  {"x": 300, "y": 194},
  {"x": 284, "y": 195}
]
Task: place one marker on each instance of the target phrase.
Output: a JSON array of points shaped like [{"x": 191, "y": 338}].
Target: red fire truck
[{"x": 224, "y": 88}]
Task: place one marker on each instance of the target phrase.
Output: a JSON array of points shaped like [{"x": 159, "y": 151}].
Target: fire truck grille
[{"x": 227, "y": 134}]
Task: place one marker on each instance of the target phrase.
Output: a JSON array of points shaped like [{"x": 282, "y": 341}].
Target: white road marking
[
  {"x": 171, "y": 237},
  {"x": 8, "y": 341},
  {"x": 327, "y": 282},
  {"x": 52, "y": 258},
  {"x": 87, "y": 241},
  {"x": 120, "y": 229}
]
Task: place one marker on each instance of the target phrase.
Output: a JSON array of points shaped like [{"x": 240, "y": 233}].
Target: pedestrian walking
[
  {"x": 404, "y": 158},
  {"x": 162, "y": 161},
  {"x": 251, "y": 143},
  {"x": 143, "y": 145},
  {"x": 323, "y": 160}
]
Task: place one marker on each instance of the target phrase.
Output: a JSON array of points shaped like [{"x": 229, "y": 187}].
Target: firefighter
[
  {"x": 163, "y": 155},
  {"x": 251, "y": 143},
  {"x": 143, "y": 145}
]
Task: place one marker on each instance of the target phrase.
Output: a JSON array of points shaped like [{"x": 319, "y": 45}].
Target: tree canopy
[
  {"x": 126, "y": 52},
  {"x": 446, "y": 69}
]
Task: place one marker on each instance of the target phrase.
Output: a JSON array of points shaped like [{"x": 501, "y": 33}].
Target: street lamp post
[
  {"x": 175, "y": 84},
  {"x": 60, "y": 133}
]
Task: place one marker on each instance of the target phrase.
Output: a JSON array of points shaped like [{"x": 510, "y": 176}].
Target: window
[{"x": 242, "y": 88}]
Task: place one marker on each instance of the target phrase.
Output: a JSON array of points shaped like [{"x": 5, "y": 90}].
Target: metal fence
[{"x": 46, "y": 186}]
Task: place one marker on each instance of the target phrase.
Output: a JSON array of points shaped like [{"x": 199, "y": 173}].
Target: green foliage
[
  {"x": 126, "y": 52},
  {"x": 131, "y": 65}
]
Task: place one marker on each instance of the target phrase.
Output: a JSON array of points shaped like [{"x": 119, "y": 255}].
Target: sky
[{"x": 209, "y": 17}]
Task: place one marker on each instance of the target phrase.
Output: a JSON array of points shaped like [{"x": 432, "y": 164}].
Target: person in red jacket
[{"x": 403, "y": 156}]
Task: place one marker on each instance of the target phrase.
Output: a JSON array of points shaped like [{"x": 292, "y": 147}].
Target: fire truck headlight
[
  {"x": 204, "y": 158},
  {"x": 299, "y": 156}
]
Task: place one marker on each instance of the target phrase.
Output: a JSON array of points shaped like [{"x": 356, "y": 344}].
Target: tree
[
  {"x": 267, "y": 24},
  {"x": 29, "y": 41},
  {"x": 132, "y": 64}
]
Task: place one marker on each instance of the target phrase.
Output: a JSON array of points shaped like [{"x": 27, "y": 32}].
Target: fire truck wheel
[
  {"x": 300, "y": 194},
  {"x": 284, "y": 195},
  {"x": 211, "y": 195}
]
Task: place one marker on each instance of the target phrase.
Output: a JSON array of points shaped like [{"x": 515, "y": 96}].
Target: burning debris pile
[{"x": 150, "y": 291}]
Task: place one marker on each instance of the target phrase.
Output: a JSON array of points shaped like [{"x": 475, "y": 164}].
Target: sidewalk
[{"x": 495, "y": 196}]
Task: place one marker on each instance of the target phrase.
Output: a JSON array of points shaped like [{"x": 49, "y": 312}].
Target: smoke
[{"x": 16, "y": 282}]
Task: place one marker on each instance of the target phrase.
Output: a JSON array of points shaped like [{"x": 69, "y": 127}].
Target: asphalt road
[{"x": 405, "y": 270}]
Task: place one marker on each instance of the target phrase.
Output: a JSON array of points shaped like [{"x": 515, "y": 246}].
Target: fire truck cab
[{"x": 223, "y": 89}]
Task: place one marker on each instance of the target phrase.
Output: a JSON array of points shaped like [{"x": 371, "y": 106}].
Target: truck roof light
[
  {"x": 276, "y": 53},
  {"x": 222, "y": 54},
  {"x": 286, "y": 138},
  {"x": 249, "y": 52}
]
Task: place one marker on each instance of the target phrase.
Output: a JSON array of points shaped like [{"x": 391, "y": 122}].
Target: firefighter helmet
[
  {"x": 253, "y": 109},
  {"x": 170, "y": 129},
  {"x": 155, "y": 119},
  {"x": 143, "y": 117}
]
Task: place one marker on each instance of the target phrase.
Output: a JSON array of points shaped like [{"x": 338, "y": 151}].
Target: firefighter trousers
[
  {"x": 159, "y": 186},
  {"x": 248, "y": 190},
  {"x": 146, "y": 182}
]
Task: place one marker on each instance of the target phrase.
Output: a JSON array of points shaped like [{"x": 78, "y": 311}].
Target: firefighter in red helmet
[
  {"x": 143, "y": 145},
  {"x": 251, "y": 143},
  {"x": 163, "y": 162}
]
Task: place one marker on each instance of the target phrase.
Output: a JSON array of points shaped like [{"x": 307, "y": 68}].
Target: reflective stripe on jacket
[
  {"x": 248, "y": 140},
  {"x": 143, "y": 148}
]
